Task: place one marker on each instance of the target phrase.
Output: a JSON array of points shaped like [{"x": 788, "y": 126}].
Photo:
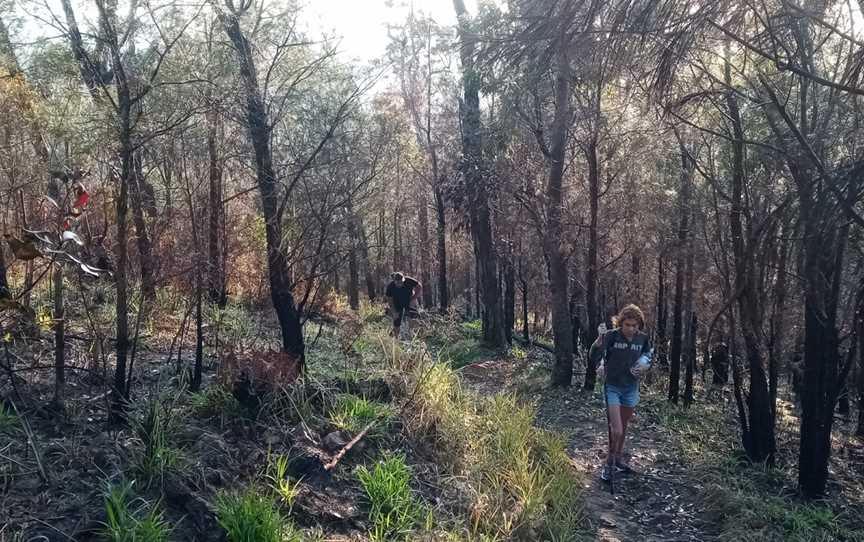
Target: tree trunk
[
  {"x": 509, "y": 300},
  {"x": 761, "y": 445},
  {"x": 661, "y": 343},
  {"x": 363, "y": 246},
  {"x": 145, "y": 248},
  {"x": 593, "y": 247},
  {"x": 59, "y": 339},
  {"x": 259, "y": 133},
  {"x": 859, "y": 335},
  {"x": 425, "y": 262},
  {"x": 474, "y": 171},
  {"x": 689, "y": 331},
  {"x": 680, "y": 270},
  {"x": 353, "y": 268},
  {"x": 215, "y": 270},
  {"x": 562, "y": 327},
  {"x": 526, "y": 336},
  {"x": 443, "y": 292},
  {"x": 778, "y": 322},
  {"x": 4, "y": 283}
]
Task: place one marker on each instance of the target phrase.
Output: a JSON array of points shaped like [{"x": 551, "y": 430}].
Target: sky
[{"x": 362, "y": 24}]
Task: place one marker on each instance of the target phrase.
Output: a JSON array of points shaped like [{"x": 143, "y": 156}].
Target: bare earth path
[{"x": 659, "y": 503}]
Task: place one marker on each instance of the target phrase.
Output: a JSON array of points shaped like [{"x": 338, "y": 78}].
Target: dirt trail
[{"x": 659, "y": 503}]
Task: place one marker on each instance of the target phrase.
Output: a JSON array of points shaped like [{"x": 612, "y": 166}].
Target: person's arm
[
  {"x": 647, "y": 352},
  {"x": 595, "y": 353}
]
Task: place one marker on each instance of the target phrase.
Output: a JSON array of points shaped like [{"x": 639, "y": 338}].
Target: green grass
[
  {"x": 519, "y": 478},
  {"x": 131, "y": 520},
  {"x": 352, "y": 413},
  {"x": 394, "y": 512},
  {"x": 153, "y": 431},
  {"x": 253, "y": 517},
  {"x": 744, "y": 501},
  {"x": 281, "y": 482}
]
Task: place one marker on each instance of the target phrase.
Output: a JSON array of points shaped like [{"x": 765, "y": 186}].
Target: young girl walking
[{"x": 626, "y": 354}]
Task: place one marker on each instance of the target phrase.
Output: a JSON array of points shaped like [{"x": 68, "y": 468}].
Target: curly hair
[{"x": 629, "y": 312}]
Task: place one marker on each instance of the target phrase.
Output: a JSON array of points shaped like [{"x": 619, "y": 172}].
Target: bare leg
[
  {"x": 626, "y": 414},
  {"x": 616, "y": 431}
]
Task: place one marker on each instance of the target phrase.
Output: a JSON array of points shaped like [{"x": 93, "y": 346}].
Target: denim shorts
[{"x": 627, "y": 396}]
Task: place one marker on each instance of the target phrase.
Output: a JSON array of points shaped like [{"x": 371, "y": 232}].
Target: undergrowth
[
  {"x": 519, "y": 477},
  {"x": 745, "y": 501}
]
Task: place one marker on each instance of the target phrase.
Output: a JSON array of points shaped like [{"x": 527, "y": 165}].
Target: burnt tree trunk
[
  {"x": 145, "y": 247},
  {"x": 474, "y": 172},
  {"x": 441, "y": 233},
  {"x": 509, "y": 300},
  {"x": 59, "y": 339},
  {"x": 689, "y": 331},
  {"x": 215, "y": 271},
  {"x": 593, "y": 247},
  {"x": 562, "y": 327},
  {"x": 353, "y": 267},
  {"x": 363, "y": 246},
  {"x": 661, "y": 343},
  {"x": 259, "y": 134},
  {"x": 761, "y": 444},
  {"x": 680, "y": 270},
  {"x": 425, "y": 262}
]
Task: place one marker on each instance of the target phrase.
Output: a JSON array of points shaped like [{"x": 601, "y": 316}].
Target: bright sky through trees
[{"x": 362, "y": 24}]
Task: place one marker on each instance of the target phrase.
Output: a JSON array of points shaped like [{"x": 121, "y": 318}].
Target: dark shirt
[
  {"x": 401, "y": 295},
  {"x": 621, "y": 355}
]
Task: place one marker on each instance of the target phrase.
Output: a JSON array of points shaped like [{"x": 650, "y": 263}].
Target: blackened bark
[
  {"x": 689, "y": 330},
  {"x": 761, "y": 444},
  {"x": 778, "y": 322},
  {"x": 661, "y": 344},
  {"x": 4, "y": 283},
  {"x": 145, "y": 249},
  {"x": 474, "y": 172},
  {"x": 509, "y": 300},
  {"x": 553, "y": 241},
  {"x": 215, "y": 270},
  {"x": 353, "y": 267},
  {"x": 680, "y": 270},
  {"x": 440, "y": 212},
  {"x": 363, "y": 247},
  {"x": 859, "y": 326},
  {"x": 425, "y": 260},
  {"x": 526, "y": 336},
  {"x": 593, "y": 246},
  {"x": 259, "y": 134},
  {"x": 59, "y": 339}
]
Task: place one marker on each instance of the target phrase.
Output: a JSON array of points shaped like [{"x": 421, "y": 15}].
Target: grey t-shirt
[{"x": 621, "y": 355}]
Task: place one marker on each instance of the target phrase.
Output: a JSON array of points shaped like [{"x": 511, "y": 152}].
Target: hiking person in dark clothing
[
  {"x": 401, "y": 292},
  {"x": 626, "y": 353},
  {"x": 720, "y": 364}
]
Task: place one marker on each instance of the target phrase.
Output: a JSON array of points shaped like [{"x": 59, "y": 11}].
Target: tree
[{"x": 473, "y": 170}]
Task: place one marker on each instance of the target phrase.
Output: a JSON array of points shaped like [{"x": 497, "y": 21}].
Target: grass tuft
[
  {"x": 253, "y": 517},
  {"x": 131, "y": 520},
  {"x": 394, "y": 511}
]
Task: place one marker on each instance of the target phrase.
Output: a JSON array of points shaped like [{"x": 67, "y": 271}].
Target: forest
[{"x": 211, "y": 209}]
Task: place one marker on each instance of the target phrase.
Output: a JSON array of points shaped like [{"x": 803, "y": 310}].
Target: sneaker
[
  {"x": 606, "y": 473},
  {"x": 623, "y": 467}
]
